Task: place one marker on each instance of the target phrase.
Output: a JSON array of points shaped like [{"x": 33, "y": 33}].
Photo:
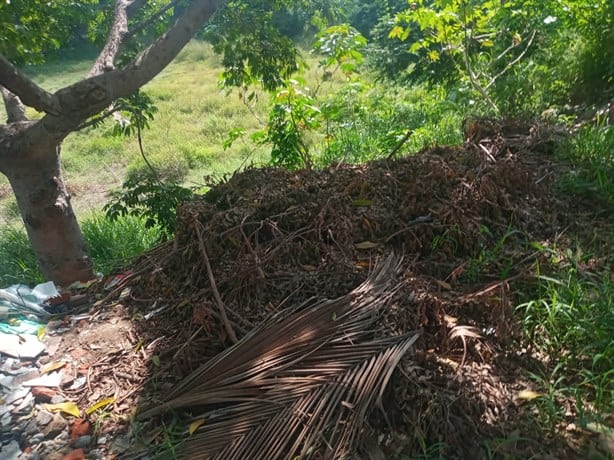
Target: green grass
[
  {"x": 569, "y": 317},
  {"x": 571, "y": 320},
  {"x": 18, "y": 265},
  {"x": 591, "y": 152},
  {"x": 112, "y": 244},
  {"x": 194, "y": 118}
]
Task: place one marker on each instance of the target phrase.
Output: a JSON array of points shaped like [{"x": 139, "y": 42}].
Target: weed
[
  {"x": 591, "y": 152},
  {"x": 152, "y": 201},
  {"x": 112, "y": 243},
  {"x": 429, "y": 452},
  {"x": 18, "y": 264},
  {"x": 571, "y": 320}
]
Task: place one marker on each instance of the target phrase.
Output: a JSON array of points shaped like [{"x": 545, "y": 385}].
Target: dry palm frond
[{"x": 305, "y": 381}]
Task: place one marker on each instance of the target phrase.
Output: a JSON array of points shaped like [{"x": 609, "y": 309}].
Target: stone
[
  {"x": 120, "y": 445},
  {"x": 55, "y": 427},
  {"x": 16, "y": 395},
  {"x": 95, "y": 454},
  {"x": 11, "y": 451},
  {"x": 24, "y": 377},
  {"x": 57, "y": 399},
  {"x": 30, "y": 456},
  {"x": 7, "y": 382},
  {"x": 25, "y": 405},
  {"x": 6, "y": 419},
  {"x": 43, "y": 394},
  {"x": 77, "y": 454},
  {"x": 83, "y": 442},
  {"x": 31, "y": 427},
  {"x": 43, "y": 417},
  {"x": 37, "y": 438},
  {"x": 80, "y": 427},
  {"x": 4, "y": 408}
]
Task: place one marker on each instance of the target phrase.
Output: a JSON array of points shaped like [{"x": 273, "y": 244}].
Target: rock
[
  {"x": 6, "y": 381},
  {"x": 11, "y": 451},
  {"x": 95, "y": 455},
  {"x": 26, "y": 404},
  {"x": 16, "y": 395},
  {"x": 24, "y": 377},
  {"x": 43, "y": 394},
  {"x": 30, "y": 456},
  {"x": 6, "y": 419},
  {"x": 43, "y": 417},
  {"x": 57, "y": 399},
  {"x": 30, "y": 428},
  {"x": 77, "y": 454},
  {"x": 80, "y": 427},
  {"x": 83, "y": 442},
  {"x": 4, "y": 408},
  {"x": 55, "y": 427},
  {"x": 37, "y": 438},
  {"x": 120, "y": 445}
]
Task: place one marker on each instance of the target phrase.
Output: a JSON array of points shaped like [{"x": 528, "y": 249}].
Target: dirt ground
[{"x": 267, "y": 239}]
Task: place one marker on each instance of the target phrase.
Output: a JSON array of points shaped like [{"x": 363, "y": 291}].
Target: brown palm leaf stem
[{"x": 301, "y": 384}]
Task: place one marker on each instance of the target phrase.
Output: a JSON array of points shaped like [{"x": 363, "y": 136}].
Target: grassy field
[
  {"x": 195, "y": 116},
  {"x": 185, "y": 139}
]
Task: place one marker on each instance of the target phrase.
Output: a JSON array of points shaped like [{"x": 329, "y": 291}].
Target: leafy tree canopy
[{"x": 33, "y": 28}]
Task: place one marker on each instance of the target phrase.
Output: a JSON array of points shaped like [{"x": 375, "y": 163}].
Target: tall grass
[
  {"x": 18, "y": 264},
  {"x": 569, "y": 318},
  {"x": 112, "y": 244},
  {"x": 591, "y": 152},
  {"x": 193, "y": 119}
]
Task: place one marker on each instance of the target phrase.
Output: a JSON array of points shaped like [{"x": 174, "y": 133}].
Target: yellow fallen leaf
[
  {"x": 41, "y": 332},
  {"x": 443, "y": 284},
  {"x": 366, "y": 245},
  {"x": 53, "y": 366},
  {"x": 362, "y": 203},
  {"x": 195, "y": 425},
  {"x": 68, "y": 407},
  {"x": 99, "y": 404},
  {"x": 528, "y": 395}
]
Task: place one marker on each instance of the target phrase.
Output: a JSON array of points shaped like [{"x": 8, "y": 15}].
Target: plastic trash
[{"x": 21, "y": 299}]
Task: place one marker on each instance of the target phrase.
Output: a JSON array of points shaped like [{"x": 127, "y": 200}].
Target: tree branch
[
  {"x": 474, "y": 79},
  {"x": 88, "y": 97},
  {"x": 15, "y": 110},
  {"x": 513, "y": 62},
  {"x": 29, "y": 92},
  {"x": 119, "y": 28}
]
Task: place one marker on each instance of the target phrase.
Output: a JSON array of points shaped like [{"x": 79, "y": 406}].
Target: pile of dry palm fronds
[
  {"x": 305, "y": 381},
  {"x": 268, "y": 239}
]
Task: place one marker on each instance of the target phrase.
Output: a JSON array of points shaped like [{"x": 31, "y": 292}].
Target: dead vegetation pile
[{"x": 269, "y": 239}]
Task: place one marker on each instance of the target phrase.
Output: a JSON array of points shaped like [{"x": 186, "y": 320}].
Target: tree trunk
[
  {"x": 51, "y": 224},
  {"x": 29, "y": 149}
]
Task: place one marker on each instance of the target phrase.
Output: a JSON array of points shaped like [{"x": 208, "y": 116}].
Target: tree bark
[{"x": 53, "y": 230}]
